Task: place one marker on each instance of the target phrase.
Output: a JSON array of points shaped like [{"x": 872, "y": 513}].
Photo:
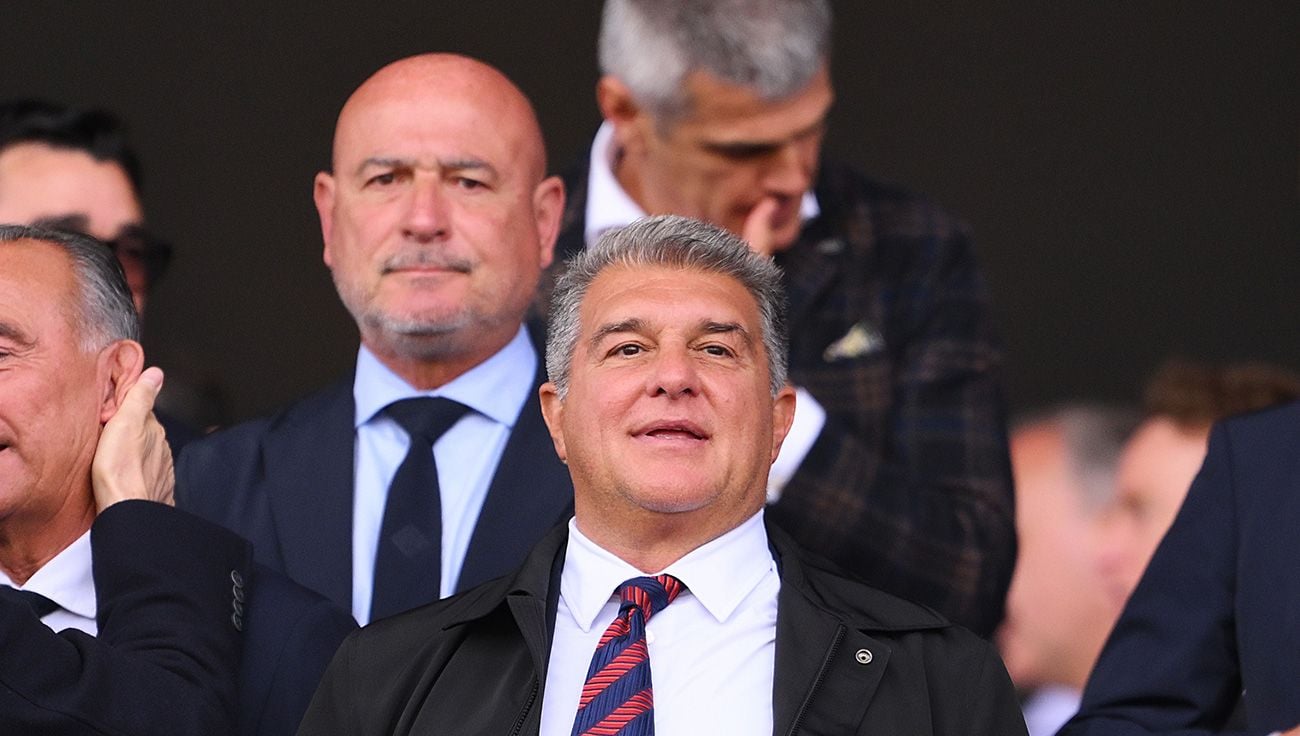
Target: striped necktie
[{"x": 617, "y": 697}]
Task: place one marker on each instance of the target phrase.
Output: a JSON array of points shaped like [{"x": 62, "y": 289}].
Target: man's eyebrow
[
  {"x": 715, "y": 328},
  {"x": 10, "y": 331},
  {"x": 613, "y": 328},
  {"x": 468, "y": 163},
  {"x": 755, "y": 147}
]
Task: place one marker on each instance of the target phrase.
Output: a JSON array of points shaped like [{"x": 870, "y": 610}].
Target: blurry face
[
  {"x": 38, "y": 182},
  {"x": 731, "y": 151},
  {"x": 669, "y": 411},
  {"x": 1155, "y": 471},
  {"x": 435, "y": 228},
  {"x": 1058, "y": 612},
  {"x": 52, "y": 392}
]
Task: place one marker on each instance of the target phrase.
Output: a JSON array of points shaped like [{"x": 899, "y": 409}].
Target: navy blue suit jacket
[
  {"x": 291, "y": 634},
  {"x": 286, "y": 484},
  {"x": 1218, "y": 609}
]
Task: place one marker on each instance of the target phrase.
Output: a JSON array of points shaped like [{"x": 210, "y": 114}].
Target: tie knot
[
  {"x": 427, "y": 416},
  {"x": 650, "y": 594}
]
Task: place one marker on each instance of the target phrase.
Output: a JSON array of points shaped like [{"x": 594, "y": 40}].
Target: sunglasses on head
[{"x": 132, "y": 243}]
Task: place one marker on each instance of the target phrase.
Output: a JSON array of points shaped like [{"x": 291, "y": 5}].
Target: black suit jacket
[
  {"x": 1218, "y": 608},
  {"x": 909, "y": 484},
  {"x": 167, "y": 651},
  {"x": 476, "y": 663},
  {"x": 285, "y": 483}
]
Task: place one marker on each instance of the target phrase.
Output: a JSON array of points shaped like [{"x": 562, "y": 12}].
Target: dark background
[{"x": 1130, "y": 169}]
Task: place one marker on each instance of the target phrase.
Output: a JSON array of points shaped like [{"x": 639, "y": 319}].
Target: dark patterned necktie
[
  {"x": 617, "y": 697},
  {"x": 408, "y": 562},
  {"x": 39, "y": 604}
]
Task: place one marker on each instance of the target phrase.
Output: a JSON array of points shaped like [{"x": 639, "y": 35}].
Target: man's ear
[
  {"x": 548, "y": 209},
  {"x": 782, "y": 417},
  {"x": 118, "y": 368},
  {"x": 322, "y": 194},
  {"x": 621, "y": 110},
  {"x": 553, "y": 413}
]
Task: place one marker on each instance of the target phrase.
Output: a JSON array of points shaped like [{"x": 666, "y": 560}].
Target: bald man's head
[
  {"x": 437, "y": 217},
  {"x": 448, "y": 79}
]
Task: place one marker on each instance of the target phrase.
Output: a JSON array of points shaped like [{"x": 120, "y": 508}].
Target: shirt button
[{"x": 863, "y": 656}]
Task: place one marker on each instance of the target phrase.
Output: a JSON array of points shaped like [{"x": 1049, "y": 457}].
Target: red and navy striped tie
[{"x": 617, "y": 697}]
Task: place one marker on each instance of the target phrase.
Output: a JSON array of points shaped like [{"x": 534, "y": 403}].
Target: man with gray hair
[
  {"x": 667, "y": 400},
  {"x": 82, "y": 467},
  {"x": 896, "y": 467},
  {"x": 69, "y": 361},
  {"x": 1058, "y": 609}
]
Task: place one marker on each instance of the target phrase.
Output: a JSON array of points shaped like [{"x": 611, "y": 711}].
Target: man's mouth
[{"x": 674, "y": 430}]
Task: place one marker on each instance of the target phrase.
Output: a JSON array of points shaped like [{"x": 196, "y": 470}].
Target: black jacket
[{"x": 476, "y": 663}]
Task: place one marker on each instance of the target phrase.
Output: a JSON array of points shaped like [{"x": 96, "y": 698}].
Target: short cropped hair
[
  {"x": 105, "y": 312},
  {"x": 94, "y": 132},
  {"x": 1195, "y": 395},
  {"x": 774, "y": 47},
  {"x": 667, "y": 241},
  {"x": 1093, "y": 437}
]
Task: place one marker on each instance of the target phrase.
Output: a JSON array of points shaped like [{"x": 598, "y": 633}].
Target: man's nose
[
  {"x": 673, "y": 373},
  {"x": 427, "y": 216},
  {"x": 790, "y": 170}
]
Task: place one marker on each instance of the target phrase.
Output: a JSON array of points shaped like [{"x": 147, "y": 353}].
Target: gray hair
[
  {"x": 774, "y": 47},
  {"x": 1093, "y": 436},
  {"x": 667, "y": 241},
  {"x": 105, "y": 313}
]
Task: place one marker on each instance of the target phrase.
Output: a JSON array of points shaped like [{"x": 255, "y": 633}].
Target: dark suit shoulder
[
  {"x": 223, "y": 456},
  {"x": 1275, "y": 427},
  {"x": 859, "y": 604}
]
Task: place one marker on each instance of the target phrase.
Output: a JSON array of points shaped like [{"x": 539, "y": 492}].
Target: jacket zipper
[
  {"x": 523, "y": 714},
  {"x": 817, "y": 681}
]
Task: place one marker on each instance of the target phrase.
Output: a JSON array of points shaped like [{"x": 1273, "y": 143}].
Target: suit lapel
[
  {"x": 530, "y": 493},
  {"x": 309, "y": 477}
]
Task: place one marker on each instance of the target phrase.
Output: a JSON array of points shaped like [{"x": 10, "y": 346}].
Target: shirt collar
[
  {"x": 720, "y": 574},
  {"x": 66, "y": 579},
  {"x": 496, "y": 388},
  {"x": 609, "y": 206}
]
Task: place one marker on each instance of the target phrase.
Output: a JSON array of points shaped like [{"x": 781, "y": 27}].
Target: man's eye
[
  {"x": 721, "y": 351},
  {"x": 383, "y": 179},
  {"x": 466, "y": 183},
  {"x": 627, "y": 350}
]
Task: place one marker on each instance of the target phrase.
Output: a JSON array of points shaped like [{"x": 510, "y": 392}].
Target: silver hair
[
  {"x": 1093, "y": 436},
  {"x": 668, "y": 241},
  {"x": 774, "y": 47},
  {"x": 105, "y": 313}
]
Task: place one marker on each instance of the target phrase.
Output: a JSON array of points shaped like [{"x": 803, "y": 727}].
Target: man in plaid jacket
[{"x": 897, "y": 466}]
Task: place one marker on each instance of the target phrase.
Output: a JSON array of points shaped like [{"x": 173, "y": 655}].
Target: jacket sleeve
[
  {"x": 1170, "y": 666},
  {"x": 168, "y": 648},
  {"x": 917, "y": 498}
]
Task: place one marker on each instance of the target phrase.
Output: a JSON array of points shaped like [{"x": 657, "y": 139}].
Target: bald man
[{"x": 437, "y": 220}]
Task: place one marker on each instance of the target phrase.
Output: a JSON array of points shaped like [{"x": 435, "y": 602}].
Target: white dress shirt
[
  {"x": 609, "y": 206},
  {"x": 66, "y": 579},
  {"x": 1048, "y": 708},
  {"x": 712, "y": 650},
  {"x": 467, "y": 455}
]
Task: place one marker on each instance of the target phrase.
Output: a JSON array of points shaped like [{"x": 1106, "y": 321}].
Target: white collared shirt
[
  {"x": 712, "y": 651},
  {"x": 467, "y": 455},
  {"x": 610, "y": 206},
  {"x": 66, "y": 579}
]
